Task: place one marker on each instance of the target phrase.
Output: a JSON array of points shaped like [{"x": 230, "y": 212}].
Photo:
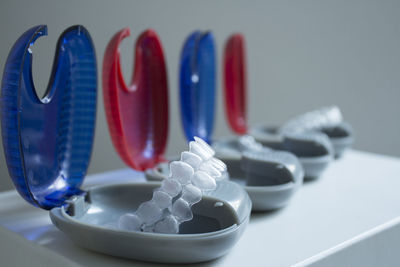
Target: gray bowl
[
  {"x": 341, "y": 137},
  {"x": 315, "y": 150},
  {"x": 264, "y": 194},
  {"x": 219, "y": 221}
]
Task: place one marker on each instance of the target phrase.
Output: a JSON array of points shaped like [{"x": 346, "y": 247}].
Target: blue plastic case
[
  {"x": 197, "y": 85},
  {"x": 48, "y": 142}
]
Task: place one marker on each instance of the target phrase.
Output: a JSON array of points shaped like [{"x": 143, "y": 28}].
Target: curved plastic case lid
[
  {"x": 235, "y": 83},
  {"x": 48, "y": 141},
  {"x": 137, "y": 114},
  {"x": 197, "y": 85}
]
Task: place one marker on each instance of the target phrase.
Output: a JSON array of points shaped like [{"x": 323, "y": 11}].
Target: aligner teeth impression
[
  {"x": 197, "y": 171},
  {"x": 325, "y": 117}
]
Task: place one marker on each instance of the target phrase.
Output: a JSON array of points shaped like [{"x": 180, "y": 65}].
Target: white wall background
[{"x": 301, "y": 55}]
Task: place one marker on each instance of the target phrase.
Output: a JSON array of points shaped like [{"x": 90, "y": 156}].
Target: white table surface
[{"x": 357, "y": 197}]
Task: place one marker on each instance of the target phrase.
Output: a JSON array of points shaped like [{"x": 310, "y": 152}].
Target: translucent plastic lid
[
  {"x": 137, "y": 113},
  {"x": 48, "y": 141},
  {"x": 235, "y": 83},
  {"x": 197, "y": 85}
]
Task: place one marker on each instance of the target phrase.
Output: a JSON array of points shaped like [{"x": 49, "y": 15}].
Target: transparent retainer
[{"x": 196, "y": 172}]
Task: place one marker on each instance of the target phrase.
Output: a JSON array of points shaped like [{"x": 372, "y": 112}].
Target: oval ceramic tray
[
  {"x": 314, "y": 150},
  {"x": 341, "y": 137},
  {"x": 219, "y": 221}
]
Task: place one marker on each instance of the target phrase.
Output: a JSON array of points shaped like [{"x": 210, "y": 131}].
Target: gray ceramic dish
[
  {"x": 341, "y": 137},
  {"x": 270, "y": 181},
  {"x": 315, "y": 150},
  {"x": 219, "y": 221},
  {"x": 264, "y": 196}
]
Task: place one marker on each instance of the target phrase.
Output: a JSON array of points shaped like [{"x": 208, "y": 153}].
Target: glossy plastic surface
[
  {"x": 137, "y": 114},
  {"x": 219, "y": 221},
  {"x": 197, "y": 85},
  {"x": 270, "y": 177},
  {"x": 48, "y": 141},
  {"x": 235, "y": 84}
]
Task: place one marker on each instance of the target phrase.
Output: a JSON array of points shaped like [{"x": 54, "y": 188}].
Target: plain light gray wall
[{"x": 301, "y": 55}]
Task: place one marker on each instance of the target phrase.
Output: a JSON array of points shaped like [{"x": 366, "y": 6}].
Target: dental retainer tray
[
  {"x": 270, "y": 177},
  {"x": 48, "y": 143},
  {"x": 313, "y": 149},
  {"x": 315, "y": 145}
]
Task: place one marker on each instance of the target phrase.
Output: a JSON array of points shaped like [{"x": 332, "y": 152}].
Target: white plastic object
[
  {"x": 197, "y": 171},
  {"x": 326, "y": 117}
]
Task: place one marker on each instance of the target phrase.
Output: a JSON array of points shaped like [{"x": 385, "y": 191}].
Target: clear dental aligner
[
  {"x": 248, "y": 143},
  {"x": 196, "y": 172},
  {"x": 326, "y": 117}
]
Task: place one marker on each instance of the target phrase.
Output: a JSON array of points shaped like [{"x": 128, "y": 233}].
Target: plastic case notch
[
  {"x": 137, "y": 114},
  {"x": 197, "y": 85},
  {"x": 48, "y": 142}
]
